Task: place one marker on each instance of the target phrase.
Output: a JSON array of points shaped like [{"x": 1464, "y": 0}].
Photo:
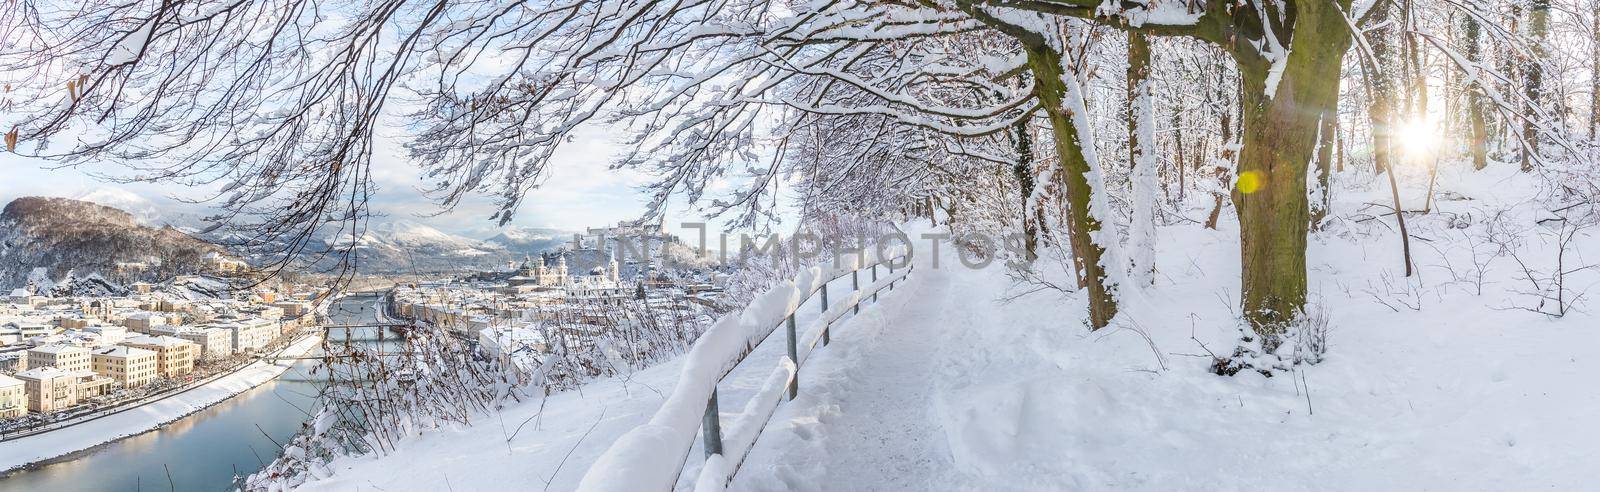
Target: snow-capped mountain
[
  {"x": 530, "y": 240},
  {"x": 405, "y": 246},
  {"x": 58, "y": 238},
  {"x": 142, "y": 209}
]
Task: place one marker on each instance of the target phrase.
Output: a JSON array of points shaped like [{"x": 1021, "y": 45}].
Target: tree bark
[
  {"x": 1280, "y": 136},
  {"x": 1051, "y": 89}
]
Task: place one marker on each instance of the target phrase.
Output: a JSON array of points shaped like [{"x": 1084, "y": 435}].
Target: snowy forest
[{"x": 1215, "y": 198}]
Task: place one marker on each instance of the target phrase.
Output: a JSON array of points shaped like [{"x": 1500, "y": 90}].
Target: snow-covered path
[{"x": 869, "y": 394}]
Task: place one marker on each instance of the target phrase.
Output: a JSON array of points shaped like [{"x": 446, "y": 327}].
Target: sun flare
[{"x": 1417, "y": 138}]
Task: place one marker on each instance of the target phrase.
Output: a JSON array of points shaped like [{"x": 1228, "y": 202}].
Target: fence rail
[{"x": 627, "y": 465}]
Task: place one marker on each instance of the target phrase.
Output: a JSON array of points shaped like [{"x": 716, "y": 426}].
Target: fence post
[
  {"x": 794, "y": 356},
  {"x": 825, "y": 324},
  {"x": 713, "y": 426},
  {"x": 855, "y": 285},
  {"x": 874, "y": 280},
  {"x": 891, "y": 273}
]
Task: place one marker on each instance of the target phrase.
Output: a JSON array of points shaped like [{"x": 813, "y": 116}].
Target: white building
[
  {"x": 64, "y": 357},
  {"x": 49, "y": 389},
  {"x": 251, "y": 334},
  {"x": 133, "y": 367},
  {"x": 13, "y": 397},
  {"x": 214, "y": 342}
]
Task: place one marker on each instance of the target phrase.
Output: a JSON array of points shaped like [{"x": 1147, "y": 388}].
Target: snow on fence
[{"x": 651, "y": 456}]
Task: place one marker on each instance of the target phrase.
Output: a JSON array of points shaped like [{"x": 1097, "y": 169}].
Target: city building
[
  {"x": 221, "y": 263},
  {"x": 142, "y": 322},
  {"x": 13, "y": 397},
  {"x": 535, "y": 273},
  {"x": 215, "y": 343},
  {"x": 91, "y": 384},
  {"x": 49, "y": 389},
  {"x": 174, "y": 356},
  {"x": 64, "y": 357},
  {"x": 133, "y": 367},
  {"x": 15, "y": 332},
  {"x": 293, "y": 309},
  {"x": 14, "y": 361},
  {"x": 251, "y": 334}
]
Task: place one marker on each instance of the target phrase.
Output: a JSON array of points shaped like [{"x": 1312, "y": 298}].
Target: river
[{"x": 205, "y": 450}]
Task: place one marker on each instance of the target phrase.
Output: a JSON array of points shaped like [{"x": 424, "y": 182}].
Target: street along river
[{"x": 205, "y": 450}]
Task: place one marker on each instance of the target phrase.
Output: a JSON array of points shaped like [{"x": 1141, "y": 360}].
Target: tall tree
[
  {"x": 1479, "y": 136},
  {"x": 1142, "y": 156},
  {"x": 1289, "y": 55},
  {"x": 1594, "y": 69},
  {"x": 1533, "y": 79},
  {"x": 1384, "y": 79},
  {"x": 1060, "y": 94}
]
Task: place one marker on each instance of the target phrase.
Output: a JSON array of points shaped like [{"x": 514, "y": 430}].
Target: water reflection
[{"x": 203, "y": 451}]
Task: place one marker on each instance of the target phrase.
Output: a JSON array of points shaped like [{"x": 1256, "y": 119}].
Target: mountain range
[
  {"x": 109, "y": 226},
  {"x": 405, "y": 247}
]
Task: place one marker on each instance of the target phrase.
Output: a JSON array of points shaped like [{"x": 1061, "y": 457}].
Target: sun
[{"x": 1417, "y": 137}]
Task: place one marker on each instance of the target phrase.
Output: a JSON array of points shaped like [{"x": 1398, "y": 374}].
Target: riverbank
[{"x": 29, "y": 450}]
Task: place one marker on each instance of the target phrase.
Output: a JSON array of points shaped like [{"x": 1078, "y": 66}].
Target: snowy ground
[
  {"x": 1429, "y": 383},
  {"x": 138, "y": 420},
  {"x": 944, "y": 389}
]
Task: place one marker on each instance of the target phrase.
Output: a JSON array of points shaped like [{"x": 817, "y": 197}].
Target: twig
[{"x": 575, "y": 447}]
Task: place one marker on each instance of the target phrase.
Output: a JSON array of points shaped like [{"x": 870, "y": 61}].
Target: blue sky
[{"x": 580, "y": 192}]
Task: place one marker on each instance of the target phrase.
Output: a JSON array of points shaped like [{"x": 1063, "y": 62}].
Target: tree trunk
[
  {"x": 1475, "y": 103},
  {"x": 1385, "y": 84},
  {"x": 1338, "y": 135},
  {"x": 1178, "y": 160},
  {"x": 1594, "y": 69},
  {"x": 1533, "y": 78},
  {"x": 1280, "y": 137},
  {"x": 1051, "y": 87},
  {"x": 1324, "y": 185},
  {"x": 1023, "y": 170},
  {"x": 1142, "y": 154}
]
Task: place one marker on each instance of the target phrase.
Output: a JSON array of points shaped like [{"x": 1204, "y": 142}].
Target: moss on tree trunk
[
  {"x": 1073, "y": 169},
  {"x": 1280, "y": 139}
]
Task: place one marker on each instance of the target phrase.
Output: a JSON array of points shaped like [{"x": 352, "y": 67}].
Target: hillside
[{"x": 62, "y": 236}]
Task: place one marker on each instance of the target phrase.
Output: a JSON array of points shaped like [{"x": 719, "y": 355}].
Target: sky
[{"x": 580, "y": 192}]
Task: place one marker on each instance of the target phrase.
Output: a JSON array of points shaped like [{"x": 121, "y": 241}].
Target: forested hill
[{"x": 63, "y": 236}]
